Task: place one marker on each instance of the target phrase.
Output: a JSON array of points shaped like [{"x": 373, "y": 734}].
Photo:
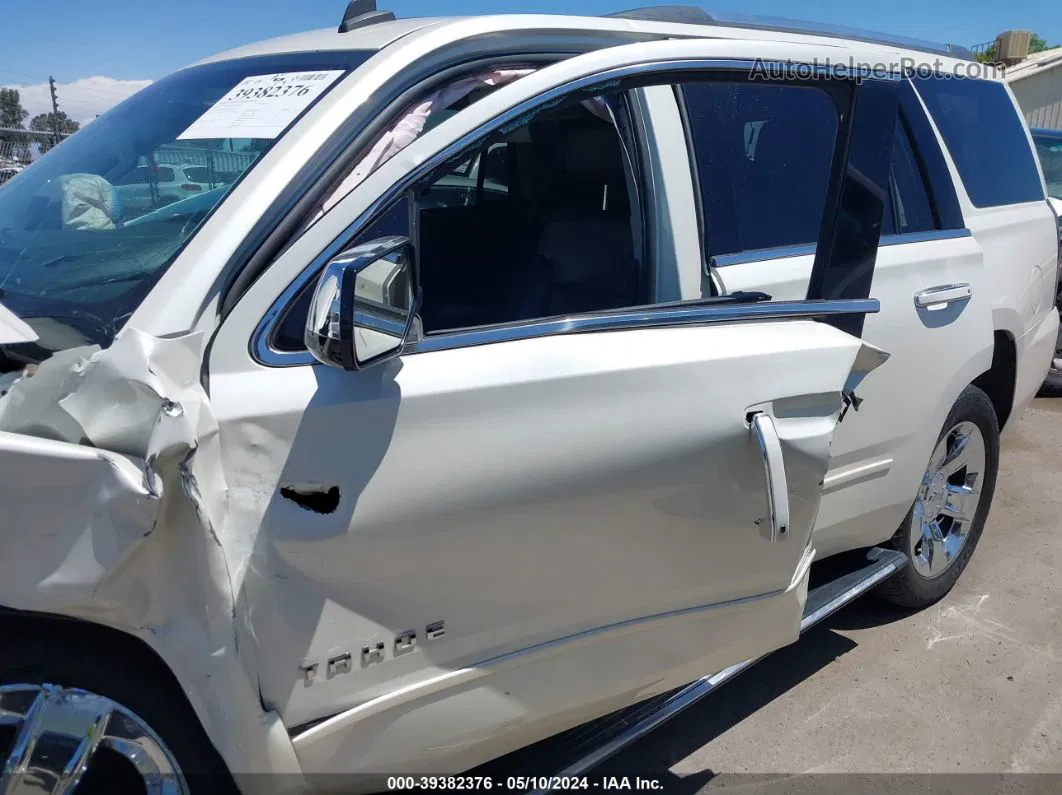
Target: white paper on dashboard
[{"x": 261, "y": 106}]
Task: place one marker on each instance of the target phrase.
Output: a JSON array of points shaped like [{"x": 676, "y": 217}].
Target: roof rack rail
[
  {"x": 361, "y": 14},
  {"x": 695, "y": 15}
]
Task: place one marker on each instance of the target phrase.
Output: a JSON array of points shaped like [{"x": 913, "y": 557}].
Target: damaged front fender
[{"x": 114, "y": 509}]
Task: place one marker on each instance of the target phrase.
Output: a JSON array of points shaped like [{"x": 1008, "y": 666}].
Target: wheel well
[
  {"x": 74, "y": 633},
  {"x": 998, "y": 381}
]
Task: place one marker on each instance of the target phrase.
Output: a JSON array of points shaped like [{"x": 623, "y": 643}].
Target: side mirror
[{"x": 364, "y": 307}]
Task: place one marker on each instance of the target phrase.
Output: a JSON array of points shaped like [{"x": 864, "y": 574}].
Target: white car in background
[
  {"x": 7, "y": 172},
  {"x": 148, "y": 188},
  {"x": 516, "y": 384}
]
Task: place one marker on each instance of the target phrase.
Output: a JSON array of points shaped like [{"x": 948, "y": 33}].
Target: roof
[
  {"x": 382, "y": 34},
  {"x": 1035, "y": 64},
  {"x": 371, "y": 37}
]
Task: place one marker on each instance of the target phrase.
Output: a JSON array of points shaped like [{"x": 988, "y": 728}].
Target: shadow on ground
[
  {"x": 655, "y": 754},
  {"x": 732, "y": 703}
]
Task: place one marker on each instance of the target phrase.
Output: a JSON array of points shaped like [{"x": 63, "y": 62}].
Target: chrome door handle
[
  {"x": 941, "y": 296},
  {"x": 774, "y": 468}
]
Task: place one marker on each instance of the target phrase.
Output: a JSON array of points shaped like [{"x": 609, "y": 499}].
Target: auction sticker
[{"x": 261, "y": 106}]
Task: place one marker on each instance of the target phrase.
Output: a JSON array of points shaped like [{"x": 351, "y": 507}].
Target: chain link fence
[
  {"x": 19, "y": 148},
  {"x": 227, "y": 165}
]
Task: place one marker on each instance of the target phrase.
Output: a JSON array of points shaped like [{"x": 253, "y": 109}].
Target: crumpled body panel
[{"x": 113, "y": 508}]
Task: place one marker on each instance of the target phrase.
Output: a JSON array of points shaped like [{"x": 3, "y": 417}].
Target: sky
[{"x": 101, "y": 52}]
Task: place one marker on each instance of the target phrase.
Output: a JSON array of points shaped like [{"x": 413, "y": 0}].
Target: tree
[
  {"x": 12, "y": 113},
  {"x": 46, "y": 122},
  {"x": 1036, "y": 44},
  {"x": 13, "y": 145}
]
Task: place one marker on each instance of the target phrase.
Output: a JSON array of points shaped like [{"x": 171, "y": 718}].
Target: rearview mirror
[{"x": 364, "y": 307}]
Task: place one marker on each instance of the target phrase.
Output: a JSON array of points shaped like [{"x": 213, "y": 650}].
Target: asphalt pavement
[{"x": 972, "y": 685}]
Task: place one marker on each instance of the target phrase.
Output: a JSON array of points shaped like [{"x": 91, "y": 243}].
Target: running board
[{"x": 614, "y": 732}]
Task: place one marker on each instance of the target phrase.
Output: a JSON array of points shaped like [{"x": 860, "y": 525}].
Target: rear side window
[
  {"x": 763, "y": 155},
  {"x": 986, "y": 139},
  {"x": 908, "y": 208}
]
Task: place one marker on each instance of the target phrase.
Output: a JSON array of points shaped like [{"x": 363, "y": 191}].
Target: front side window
[
  {"x": 1049, "y": 149},
  {"x": 986, "y": 138},
  {"x": 763, "y": 155},
  {"x": 87, "y": 230},
  {"x": 540, "y": 221}
]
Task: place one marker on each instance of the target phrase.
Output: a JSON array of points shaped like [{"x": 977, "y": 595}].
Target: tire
[
  {"x": 1052, "y": 385},
  {"x": 931, "y": 572},
  {"x": 71, "y": 658}
]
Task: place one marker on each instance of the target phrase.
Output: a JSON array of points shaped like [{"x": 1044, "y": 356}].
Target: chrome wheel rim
[
  {"x": 58, "y": 732},
  {"x": 947, "y": 501}
]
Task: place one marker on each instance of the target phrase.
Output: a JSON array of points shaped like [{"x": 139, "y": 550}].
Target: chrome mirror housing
[{"x": 364, "y": 307}]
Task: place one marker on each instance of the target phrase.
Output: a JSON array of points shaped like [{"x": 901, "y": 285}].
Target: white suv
[{"x": 519, "y": 379}]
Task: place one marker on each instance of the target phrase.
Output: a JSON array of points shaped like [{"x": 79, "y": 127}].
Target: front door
[{"x": 571, "y": 492}]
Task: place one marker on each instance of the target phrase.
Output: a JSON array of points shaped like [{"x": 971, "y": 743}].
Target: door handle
[
  {"x": 774, "y": 468},
  {"x": 942, "y": 295}
]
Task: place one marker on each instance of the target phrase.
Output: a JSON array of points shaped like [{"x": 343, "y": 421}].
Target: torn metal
[
  {"x": 315, "y": 497},
  {"x": 110, "y": 462}
]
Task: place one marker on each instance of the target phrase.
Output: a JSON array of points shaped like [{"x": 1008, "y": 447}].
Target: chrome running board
[{"x": 619, "y": 730}]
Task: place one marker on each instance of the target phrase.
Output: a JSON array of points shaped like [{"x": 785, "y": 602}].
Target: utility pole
[{"x": 55, "y": 109}]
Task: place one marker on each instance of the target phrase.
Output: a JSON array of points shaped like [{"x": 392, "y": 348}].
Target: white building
[{"x": 1037, "y": 84}]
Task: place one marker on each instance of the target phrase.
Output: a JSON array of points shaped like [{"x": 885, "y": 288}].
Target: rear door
[
  {"x": 762, "y": 159},
  {"x": 524, "y": 523}
]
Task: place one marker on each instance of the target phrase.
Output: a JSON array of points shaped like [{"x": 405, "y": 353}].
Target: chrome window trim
[
  {"x": 261, "y": 348},
  {"x": 655, "y": 316},
  {"x": 760, "y": 254},
  {"x": 782, "y": 252},
  {"x": 928, "y": 236}
]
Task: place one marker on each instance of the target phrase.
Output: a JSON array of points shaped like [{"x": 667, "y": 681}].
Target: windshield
[
  {"x": 88, "y": 229},
  {"x": 1049, "y": 148}
]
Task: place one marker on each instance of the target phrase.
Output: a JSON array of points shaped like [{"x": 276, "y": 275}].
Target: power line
[
  {"x": 115, "y": 96},
  {"x": 83, "y": 96},
  {"x": 23, "y": 74},
  {"x": 111, "y": 93}
]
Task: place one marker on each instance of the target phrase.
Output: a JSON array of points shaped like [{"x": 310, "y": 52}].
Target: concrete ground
[{"x": 971, "y": 685}]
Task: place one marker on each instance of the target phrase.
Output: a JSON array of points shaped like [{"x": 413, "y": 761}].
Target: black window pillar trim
[
  {"x": 859, "y": 187},
  {"x": 932, "y": 165}
]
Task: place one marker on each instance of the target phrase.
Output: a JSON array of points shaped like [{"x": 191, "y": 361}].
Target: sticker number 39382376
[{"x": 261, "y": 106}]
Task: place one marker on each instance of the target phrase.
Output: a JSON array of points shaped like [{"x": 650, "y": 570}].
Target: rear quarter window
[{"x": 986, "y": 139}]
